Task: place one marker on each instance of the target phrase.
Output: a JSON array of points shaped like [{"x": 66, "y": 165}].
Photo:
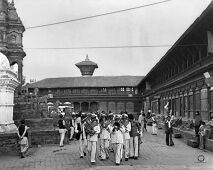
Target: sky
[{"x": 160, "y": 24}]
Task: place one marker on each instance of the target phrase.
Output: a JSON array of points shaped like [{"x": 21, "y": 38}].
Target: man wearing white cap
[
  {"x": 62, "y": 128},
  {"x": 81, "y": 135},
  {"x": 117, "y": 132},
  {"x": 93, "y": 137},
  {"x": 72, "y": 125},
  {"x": 127, "y": 126},
  {"x": 104, "y": 137}
]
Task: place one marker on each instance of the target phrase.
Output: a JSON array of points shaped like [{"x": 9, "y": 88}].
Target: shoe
[
  {"x": 102, "y": 159},
  {"x": 126, "y": 159},
  {"x": 81, "y": 156},
  {"x": 93, "y": 163},
  {"x": 135, "y": 157},
  {"x": 62, "y": 146},
  {"x": 117, "y": 164},
  {"x": 131, "y": 157},
  {"x": 107, "y": 157},
  {"x": 85, "y": 154}
]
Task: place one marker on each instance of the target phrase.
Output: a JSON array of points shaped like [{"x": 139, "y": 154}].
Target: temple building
[
  {"x": 181, "y": 81},
  {"x": 11, "y": 33},
  {"x": 90, "y": 93}
]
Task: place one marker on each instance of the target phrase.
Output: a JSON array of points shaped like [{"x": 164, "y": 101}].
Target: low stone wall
[
  {"x": 46, "y": 137},
  {"x": 9, "y": 142}
]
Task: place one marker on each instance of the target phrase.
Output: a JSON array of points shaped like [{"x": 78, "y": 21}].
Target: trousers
[
  {"x": 118, "y": 152},
  {"x": 24, "y": 145},
  {"x": 92, "y": 149},
  {"x": 169, "y": 140},
  {"x": 82, "y": 145},
  {"x": 71, "y": 132},
  {"x": 154, "y": 128},
  {"x": 104, "y": 143},
  {"x": 62, "y": 136},
  {"x": 134, "y": 146},
  {"x": 126, "y": 148}
]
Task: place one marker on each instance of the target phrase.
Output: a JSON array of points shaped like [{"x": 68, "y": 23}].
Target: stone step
[
  {"x": 193, "y": 143},
  {"x": 177, "y": 135}
]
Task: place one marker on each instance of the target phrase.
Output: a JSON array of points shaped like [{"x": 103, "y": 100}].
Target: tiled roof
[{"x": 93, "y": 81}]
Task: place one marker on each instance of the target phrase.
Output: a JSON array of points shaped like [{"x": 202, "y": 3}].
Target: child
[
  {"x": 23, "y": 137},
  {"x": 202, "y": 133}
]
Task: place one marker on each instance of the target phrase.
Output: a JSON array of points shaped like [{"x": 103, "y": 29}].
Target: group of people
[
  {"x": 99, "y": 134},
  {"x": 108, "y": 132}
]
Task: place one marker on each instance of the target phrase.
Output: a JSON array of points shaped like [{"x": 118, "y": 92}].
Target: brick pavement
[{"x": 154, "y": 155}]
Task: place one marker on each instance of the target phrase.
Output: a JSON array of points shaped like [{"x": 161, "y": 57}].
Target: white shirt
[
  {"x": 97, "y": 130},
  {"x": 105, "y": 134},
  {"x": 118, "y": 135},
  {"x": 127, "y": 129}
]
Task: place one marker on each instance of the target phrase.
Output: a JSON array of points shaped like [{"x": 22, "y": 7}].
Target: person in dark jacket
[
  {"x": 198, "y": 121},
  {"x": 169, "y": 131},
  {"x": 134, "y": 134},
  {"x": 62, "y": 129}
]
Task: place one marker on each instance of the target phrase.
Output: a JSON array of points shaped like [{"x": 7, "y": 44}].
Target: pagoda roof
[
  {"x": 87, "y": 62},
  {"x": 94, "y": 81}
]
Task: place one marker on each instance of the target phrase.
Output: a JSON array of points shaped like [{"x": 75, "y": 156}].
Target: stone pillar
[
  {"x": 8, "y": 83},
  {"x": 20, "y": 74}
]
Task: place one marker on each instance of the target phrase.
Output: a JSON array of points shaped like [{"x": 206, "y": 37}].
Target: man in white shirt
[
  {"x": 93, "y": 138},
  {"x": 127, "y": 126},
  {"x": 119, "y": 140}
]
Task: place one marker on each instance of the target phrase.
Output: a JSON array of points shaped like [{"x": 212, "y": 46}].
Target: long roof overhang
[{"x": 208, "y": 12}]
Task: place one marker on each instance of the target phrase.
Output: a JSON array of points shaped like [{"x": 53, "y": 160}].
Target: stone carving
[{"x": 4, "y": 62}]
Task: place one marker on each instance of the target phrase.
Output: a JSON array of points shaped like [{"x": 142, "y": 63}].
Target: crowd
[{"x": 101, "y": 133}]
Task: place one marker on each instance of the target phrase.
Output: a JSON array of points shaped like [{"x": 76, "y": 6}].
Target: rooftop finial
[
  {"x": 12, "y": 3},
  {"x": 87, "y": 58}
]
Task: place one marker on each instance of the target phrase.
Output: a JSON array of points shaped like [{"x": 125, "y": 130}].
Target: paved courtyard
[{"x": 155, "y": 155}]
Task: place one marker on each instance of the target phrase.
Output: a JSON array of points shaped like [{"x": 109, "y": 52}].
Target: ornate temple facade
[
  {"x": 91, "y": 93},
  {"x": 182, "y": 80},
  {"x": 11, "y": 33}
]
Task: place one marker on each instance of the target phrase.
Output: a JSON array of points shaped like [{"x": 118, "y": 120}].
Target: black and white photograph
[{"x": 106, "y": 84}]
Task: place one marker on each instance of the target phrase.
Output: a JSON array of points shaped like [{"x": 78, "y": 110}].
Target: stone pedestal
[{"x": 8, "y": 83}]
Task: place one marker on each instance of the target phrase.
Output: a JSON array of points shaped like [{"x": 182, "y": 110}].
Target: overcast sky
[{"x": 160, "y": 24}]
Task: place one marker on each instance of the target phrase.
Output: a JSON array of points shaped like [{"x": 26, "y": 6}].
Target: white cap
[{"x": 63, "y": 113}]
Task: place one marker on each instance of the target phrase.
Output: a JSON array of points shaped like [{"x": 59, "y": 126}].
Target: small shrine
[{"x": 8, "y": 83}]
